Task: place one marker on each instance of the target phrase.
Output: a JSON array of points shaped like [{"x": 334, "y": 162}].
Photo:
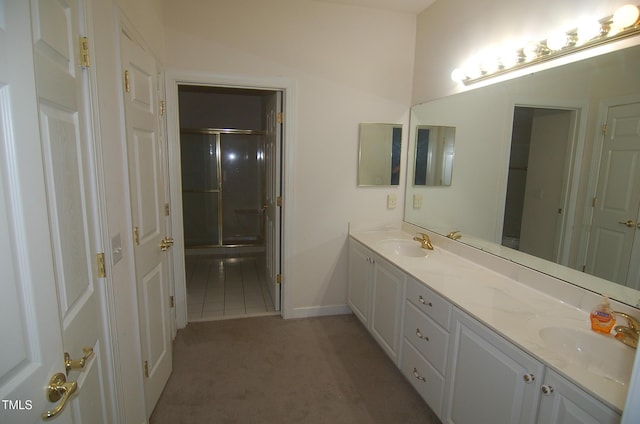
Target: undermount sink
[
  {"x": 599, "y": 354},
  {"x": 403, "y": 247}
]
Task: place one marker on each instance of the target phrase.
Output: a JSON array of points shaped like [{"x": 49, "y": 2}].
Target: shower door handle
[{"x": 166, "y": 243}]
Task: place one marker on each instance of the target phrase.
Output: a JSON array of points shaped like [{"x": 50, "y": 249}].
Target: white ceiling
[{"x": 409, "y": 6}]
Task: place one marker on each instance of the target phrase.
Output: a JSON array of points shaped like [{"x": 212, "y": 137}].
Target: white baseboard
[{"x": 319, "y": 311}]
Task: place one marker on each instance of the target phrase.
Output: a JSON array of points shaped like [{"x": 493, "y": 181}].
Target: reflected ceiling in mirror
[
  {"x": 434, "y": 155},
  {"x": 484, "y": 117},
  {"x": 379, "y": 156}
]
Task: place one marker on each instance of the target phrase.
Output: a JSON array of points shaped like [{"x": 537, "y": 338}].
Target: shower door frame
[{"x": 217, "y": 132}]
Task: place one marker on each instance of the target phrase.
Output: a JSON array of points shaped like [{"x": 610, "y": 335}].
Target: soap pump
[{"x": 602, "y": 319}]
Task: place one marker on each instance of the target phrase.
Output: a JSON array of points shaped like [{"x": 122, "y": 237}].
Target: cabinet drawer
[
  {"x": 423, "y": 377},
  {"x": 429, "y": 302},
  {"x": 426, "y": 336}
]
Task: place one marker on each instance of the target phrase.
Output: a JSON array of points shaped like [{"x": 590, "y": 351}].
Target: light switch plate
[
  {"x": 417, "y": 201},
  {"x": 392, "y": 201}
]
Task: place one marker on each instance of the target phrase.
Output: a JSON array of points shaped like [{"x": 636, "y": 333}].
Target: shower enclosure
[{"x": 222, "y": 187}]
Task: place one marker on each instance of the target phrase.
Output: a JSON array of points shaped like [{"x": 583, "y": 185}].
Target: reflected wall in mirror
[
  {"x": 434, "y": 155},
  {"x": 572, "y": 180},
  {"x": 379, "y": 157}
]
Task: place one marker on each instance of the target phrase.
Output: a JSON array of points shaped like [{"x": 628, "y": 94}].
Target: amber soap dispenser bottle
[{"x": 602, "y": 319}]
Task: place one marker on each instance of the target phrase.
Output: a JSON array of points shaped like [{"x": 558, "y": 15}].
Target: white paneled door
[
  {"x": 614, "y": 245},
  {"x": 146, "y": 154},
  {"x": 272, "y": 207},
  {"x": 50, "y": 309}
]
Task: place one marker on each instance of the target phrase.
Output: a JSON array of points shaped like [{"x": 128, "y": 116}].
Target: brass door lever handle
[
  {"x": 166, "y": 243},
  {"x": 59, "y": 389},
  {"x": 71, "y": 364}
]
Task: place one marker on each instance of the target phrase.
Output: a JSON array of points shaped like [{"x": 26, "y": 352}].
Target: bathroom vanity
[{"x": 482, "y": 339}]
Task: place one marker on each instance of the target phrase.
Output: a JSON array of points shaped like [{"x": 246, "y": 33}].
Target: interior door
[
  {"x": 273, "y": 146},
  {"x": 145, "y": 156},
  {"x": 49, "y": 234},
  {"x": 617, "y": 200}
]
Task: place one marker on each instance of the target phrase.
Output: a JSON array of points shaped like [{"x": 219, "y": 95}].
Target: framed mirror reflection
[
  {"x": 434, "y": 155},
  {"x": 380, "y": 148}
]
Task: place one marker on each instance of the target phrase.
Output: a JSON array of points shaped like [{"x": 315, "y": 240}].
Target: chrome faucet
[
  {"x": 454, "y": 235},
  {"x": 425, "y": 241},
  {"x": 628, "y": 334}
]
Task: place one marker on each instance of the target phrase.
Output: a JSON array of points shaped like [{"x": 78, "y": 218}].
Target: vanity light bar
[{"x": 625, "y": 22}]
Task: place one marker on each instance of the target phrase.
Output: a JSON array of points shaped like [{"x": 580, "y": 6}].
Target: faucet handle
[
  {"x": 634, "y": 324},
  {"x": 454, "y": 235}
]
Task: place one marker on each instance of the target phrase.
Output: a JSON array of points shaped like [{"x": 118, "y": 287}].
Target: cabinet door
[
  {"x": 388, "y": 292},
  {"x": 360, "y": 273},
  {"x": 490, "y": 380},
  {"x": 564, "y": 403}
]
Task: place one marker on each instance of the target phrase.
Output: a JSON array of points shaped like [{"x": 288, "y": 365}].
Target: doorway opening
[
  {"x": 540, "y": 157},
  {"x": 230, "y": 147}
]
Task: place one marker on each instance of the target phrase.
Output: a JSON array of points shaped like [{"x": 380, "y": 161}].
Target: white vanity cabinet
[
  {"x": 425, "y": 342},
  {"x": 376, "y": 290},
  {"x": 489, "y": 379},
  {"x": 562, "y": 402}
]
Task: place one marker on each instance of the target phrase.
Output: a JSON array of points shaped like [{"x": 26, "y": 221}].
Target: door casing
[{"x": 288, "y": 87}]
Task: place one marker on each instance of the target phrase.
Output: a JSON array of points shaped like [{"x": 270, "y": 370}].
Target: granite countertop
[{"x": 515, "y": 310}]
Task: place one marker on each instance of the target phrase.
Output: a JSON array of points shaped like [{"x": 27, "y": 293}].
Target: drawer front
[
  {"x": 426, "y": 336},
  {"x": 423, "y": 377},
  {"x": 429, "y": 302}
]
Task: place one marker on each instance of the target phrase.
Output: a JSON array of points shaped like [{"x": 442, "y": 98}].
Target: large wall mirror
[
  {"x": 546, "y": 171},
  {"x": 379, "y": 156}
]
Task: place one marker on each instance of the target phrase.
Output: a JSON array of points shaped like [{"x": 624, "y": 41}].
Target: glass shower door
[
  {"x": 200, "y": 189},
  {"x": 242, "y": 162}
]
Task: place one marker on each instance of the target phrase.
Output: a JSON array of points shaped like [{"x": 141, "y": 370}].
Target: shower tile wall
[{"x": 221, "y": 287}]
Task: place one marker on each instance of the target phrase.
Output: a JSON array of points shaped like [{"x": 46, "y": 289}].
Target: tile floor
[{"x": 220, "y": 287}]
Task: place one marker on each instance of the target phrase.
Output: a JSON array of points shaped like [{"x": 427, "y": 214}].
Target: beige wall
[
  {"x": 350, "y": 65},
  {"x": 451, "y": 32}
]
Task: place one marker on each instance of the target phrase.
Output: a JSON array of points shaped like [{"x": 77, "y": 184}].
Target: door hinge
[
  {"x": 171, "y": 302},
  {"x": 279, "y": 201},
  {"x": 84, "y": 52},
  {"x": 280, "y": 117},
  {"x": 593, "y": 202},
  {"x": 584, "y": 268},
  {"x": 136, "y": 236},
  {"x": 146, "y": 369},
  {"x": 161, "y": 107},
  {"x": 167, "y": 209},
  {"x": 559, "y": 211},
  {"x": 279, "y": 279},
  {"x": 102, "y": 272},
  {"x": 604, "y": 129},
  {"x": 127, "y": 85}
]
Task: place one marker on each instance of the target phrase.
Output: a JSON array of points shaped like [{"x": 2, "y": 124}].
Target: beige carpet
[{"x": 270, "y": 370}]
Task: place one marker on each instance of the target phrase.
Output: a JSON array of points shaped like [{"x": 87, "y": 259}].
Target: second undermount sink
[
  {"x": 599, "y": 354},
  {"x": 403, "y": 247}
]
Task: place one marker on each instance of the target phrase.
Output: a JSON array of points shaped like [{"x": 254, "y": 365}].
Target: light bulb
[
  {"x": 457, "y": 75},
  {"x": 625, "y": 16},
  {"x": 588, "y": 30},
  {"x": 531, "y": 50},
  {"x": 557, "y": 40}
]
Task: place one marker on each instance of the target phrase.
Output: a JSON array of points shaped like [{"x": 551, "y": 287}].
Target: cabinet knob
[
  {"x": 529, "y": 378},
  {"x": 546, "y": 390},
  {"x": 423, "y": 301},
  {"x": 420, "y": 336},
  {"x": 418, "y": 376}
]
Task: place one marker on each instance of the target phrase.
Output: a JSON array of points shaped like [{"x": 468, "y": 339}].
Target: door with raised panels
[
  {"x": 273, "y": 145},
  {"x": 51, "y": 310},
  {"x": 146, "y": 158},
  {"x": 615, "y": 213}
]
